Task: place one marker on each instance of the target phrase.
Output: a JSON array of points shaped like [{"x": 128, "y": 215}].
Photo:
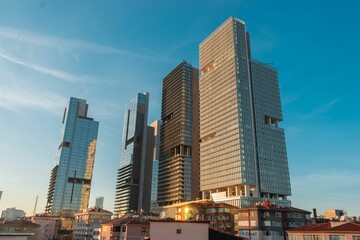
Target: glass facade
[
  {"x": 179, "y": 144},
  {"x": 155, "y": 170},
  {"x": 70, "y": 179},
  {"x": 132, "y": 192},
  {"x": 242, "y": 148}
]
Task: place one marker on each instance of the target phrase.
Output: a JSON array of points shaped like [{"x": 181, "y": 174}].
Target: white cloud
[
  {"x": 65, "y": 44},
  {"x": 44, "y": 70},
  {"x": 15, "y": 98}
]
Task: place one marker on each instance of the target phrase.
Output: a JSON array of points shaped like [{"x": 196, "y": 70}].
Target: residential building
[
  {"x": 18, "y": 230},
  {"x": 243, "y": 157},
  {"x": 268, "y": 221},
  {"x": 171, "y": 229},
  {"x": 326, "y": 231},
  {"x": 179, "y": 140},
  {"x": 70, "y": 180},
  {"x": 133, "y": 186},
  {"x": 219, "y": 215},
  {"x": 87, "y": 221},
  {"x": 48, "y": 226},
  {"x": 12, "y": 214},
  {"x": 125, "y": 228},
  {"x": 99, "y": 202},
  {"x": 155, "y": 170}
]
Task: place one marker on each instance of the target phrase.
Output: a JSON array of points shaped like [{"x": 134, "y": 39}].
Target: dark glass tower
[
  {"x": 70, "y": 180},
  {"x": 179, "y": 141},
  {"x": 133, "y": 187}
]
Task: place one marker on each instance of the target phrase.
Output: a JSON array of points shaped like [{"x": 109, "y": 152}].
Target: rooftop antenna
[{"x": 37, "y": 197}]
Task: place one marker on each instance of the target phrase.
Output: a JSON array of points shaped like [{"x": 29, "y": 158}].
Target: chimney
[{"x": 315, "y": 213}]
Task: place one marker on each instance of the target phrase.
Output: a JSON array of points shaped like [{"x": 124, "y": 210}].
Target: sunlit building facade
[
  {"x": 243, "y": 156},
  {"x": 155, "y": 169},
  {"x": 179, "y": 141},
  {"x": 133, "y": 187},
  {"x": 70, "y": 180}
]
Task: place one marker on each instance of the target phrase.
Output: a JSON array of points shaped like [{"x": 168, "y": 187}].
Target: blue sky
[{"x": 107, "y": 51}]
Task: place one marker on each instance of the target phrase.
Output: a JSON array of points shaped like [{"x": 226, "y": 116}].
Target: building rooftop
[
  {"x": 20, "y": 223},
  {"x": 124, "y": 221},
  {"x": 269, "y": 206},
  {"x": 329, "y": 227}
]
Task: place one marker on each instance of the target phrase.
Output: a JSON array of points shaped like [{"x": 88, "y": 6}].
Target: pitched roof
[
  {"x": 329, "y": 227},
  {"x": 124, "y": 221},
  {"x": 21, "y": 223},
  {"x": 274, "y": 207}
]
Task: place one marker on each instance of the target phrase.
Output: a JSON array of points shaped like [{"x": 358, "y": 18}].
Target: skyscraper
[
  {"x": 70, "y": 180},
  {"x": 155, "y": 170},
  {"x": 242, "y": 147},
  {"x": 179, "y": 141},
  {"x": 99, "y": 202},
  {"x": 133, "y": 187}
]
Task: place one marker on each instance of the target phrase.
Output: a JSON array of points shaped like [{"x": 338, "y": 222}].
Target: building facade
[
  {"x": 155, "y": 170},
  {"x": 12, "y": 214},
  {"x": 165, "y": 230},
  {"x": 179, "y": 141},
  {"x": 326, "y": 231},
  {"x": 89, "y": 220},
  {"x": 99, "y": 202},
  {"x": 48, "y": 226},
  {"x": 18, "y": 230},
  {"x": 70, "y": 180},
  {"x": 125, "y": 228},
  {"x": 243, "y": 157},
  {"x": 268, "y": 221},
  {"x": 133, "y": 187}
]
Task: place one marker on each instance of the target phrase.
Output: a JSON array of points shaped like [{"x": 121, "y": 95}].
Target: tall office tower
[
  {"x": 99, "y": 202},
  {"x": 179, "y": 141},
  {"x": 133, "y": 187},
  {"x": 70, "y": 180},
  {"x": 243, "y": 156},
  {"x": 155, "y": 169}
]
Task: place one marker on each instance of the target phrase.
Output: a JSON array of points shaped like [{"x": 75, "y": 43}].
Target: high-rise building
[
  {"x": 12, "y": 214},
  {"x": 179, "y": 141},
  {"x": 99, "y": 202},
  {"x": 243, "y": 156},
  {"x": 155, "y": 169},
  {"x": 133, "y": 187},
  {"x": 70, "y": 180}
]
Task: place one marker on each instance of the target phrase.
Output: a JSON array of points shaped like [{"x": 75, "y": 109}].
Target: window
[
  {"x": 355, "y": 237},
  {"x": 178, "y": 231},
  {"x": 337, "y": 237}
]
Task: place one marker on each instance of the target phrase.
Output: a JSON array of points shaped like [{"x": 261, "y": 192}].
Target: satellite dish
[{"x": 162, "y": 215}]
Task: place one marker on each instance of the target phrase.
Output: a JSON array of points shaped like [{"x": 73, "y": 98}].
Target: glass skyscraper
[
  {"x": 179, "y": 140},
  {"x": 155, "y": 170},
  {"x": 243, "y": 156},
  {"x": 133, "y": 187},
  {"x": 70, "y": 181}
]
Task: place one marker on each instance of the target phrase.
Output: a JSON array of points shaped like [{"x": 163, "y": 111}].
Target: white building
[
  {"x": 165, "y": 230},
  {"x": 12, "y": 214},
  {"x": 87, "y": 221}
]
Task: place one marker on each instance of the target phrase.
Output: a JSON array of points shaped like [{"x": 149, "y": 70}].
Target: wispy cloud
[
  {"x": 43, "y": 70},
  {"x": 322, "y": 109},
  {"x": 14, "y": 99},
  {"x": 65, "y": 44}
]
